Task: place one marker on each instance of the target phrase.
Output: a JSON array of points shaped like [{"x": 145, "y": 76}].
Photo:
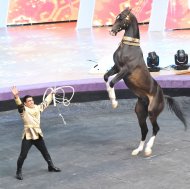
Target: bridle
[
  {"x": 129, "y": 40},
  {"x": 126, "y": 20}
]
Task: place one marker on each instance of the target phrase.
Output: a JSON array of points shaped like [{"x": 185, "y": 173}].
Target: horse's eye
[{"x": 119, "y": 17}]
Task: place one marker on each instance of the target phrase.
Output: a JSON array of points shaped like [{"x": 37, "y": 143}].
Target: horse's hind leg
[
  {"x": 149, "y": 145},
  {"x": 156, "y": 105},
  {"x": 141, "y": 110}
]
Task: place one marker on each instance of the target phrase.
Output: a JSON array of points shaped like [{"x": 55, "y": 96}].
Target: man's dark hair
[{"x": 26, "y": 97}]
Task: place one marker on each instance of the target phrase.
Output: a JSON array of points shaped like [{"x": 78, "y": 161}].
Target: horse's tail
[{"x": 174, "y": 107}]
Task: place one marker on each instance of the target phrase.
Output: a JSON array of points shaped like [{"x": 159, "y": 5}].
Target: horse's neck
[{"x": 132, "y": 31}]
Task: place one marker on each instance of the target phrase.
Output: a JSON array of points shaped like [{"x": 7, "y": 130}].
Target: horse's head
[{"x": 122, "y": 22}]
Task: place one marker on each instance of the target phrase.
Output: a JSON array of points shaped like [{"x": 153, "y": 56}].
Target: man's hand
[{"x": 15, "y": 91}]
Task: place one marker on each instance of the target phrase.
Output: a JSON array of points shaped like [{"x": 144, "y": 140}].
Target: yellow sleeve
[
  {"x": 47, "y": 101},
  {"x": 49, "y": 98},
  {"x": 18, "y": 101}
]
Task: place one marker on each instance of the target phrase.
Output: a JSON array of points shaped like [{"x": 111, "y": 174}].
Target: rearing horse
[{"x": 130, "y": 66}]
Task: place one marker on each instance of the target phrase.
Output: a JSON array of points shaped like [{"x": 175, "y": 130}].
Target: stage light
[
  {"x": 153, "y": 62},
  {"x": 181, "y": 60}
]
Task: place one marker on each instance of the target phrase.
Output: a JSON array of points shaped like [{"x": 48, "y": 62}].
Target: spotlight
[
  {"x": 181, "y": 60},
  {"x": 153, "y": 62}
]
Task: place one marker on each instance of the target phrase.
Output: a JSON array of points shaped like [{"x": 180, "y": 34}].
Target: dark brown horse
[{"x": 130, "y": 66}]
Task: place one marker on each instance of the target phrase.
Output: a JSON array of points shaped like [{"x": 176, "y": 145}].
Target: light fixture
[
  {"x": 181, "y": 60},
  {"x": 153, "y": 62}
]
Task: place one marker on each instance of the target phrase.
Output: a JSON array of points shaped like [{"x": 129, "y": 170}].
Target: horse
[{"x": 130, "y": 66}]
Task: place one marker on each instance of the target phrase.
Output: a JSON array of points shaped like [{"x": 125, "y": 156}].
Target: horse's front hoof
[
  {"x": 148, "y": 152},
  {"x": 114, "y": 104}
]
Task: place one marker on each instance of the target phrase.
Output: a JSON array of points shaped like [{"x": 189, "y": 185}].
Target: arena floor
[{"x": 94, "y": 149}]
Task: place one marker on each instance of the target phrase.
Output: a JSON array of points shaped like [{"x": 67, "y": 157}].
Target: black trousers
[{"x": 25, "y": 147}]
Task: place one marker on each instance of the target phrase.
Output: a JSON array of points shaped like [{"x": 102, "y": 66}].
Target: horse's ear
[{"x": 128, "y": 9}]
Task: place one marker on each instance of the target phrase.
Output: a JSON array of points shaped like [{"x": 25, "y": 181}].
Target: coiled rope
[{"x": 59, "y": 97}]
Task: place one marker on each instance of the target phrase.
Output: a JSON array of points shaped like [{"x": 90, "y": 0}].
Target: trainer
[{"x": 32, "y": 133}]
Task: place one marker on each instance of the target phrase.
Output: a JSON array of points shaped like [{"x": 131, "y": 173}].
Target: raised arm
[
  {"x": 46, "y": 102},
  {"x": 17, "y": 99},
  {"x": 15, "y": 92}
]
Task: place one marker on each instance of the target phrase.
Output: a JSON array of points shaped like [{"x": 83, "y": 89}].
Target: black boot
[
  {"x": 52, "y": 168},
  {"x": 19, "y": 174}
]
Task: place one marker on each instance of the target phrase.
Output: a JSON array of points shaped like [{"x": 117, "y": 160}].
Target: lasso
[{"x": 59, "y": 99}]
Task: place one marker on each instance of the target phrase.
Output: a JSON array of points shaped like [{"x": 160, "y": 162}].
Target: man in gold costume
[{"x": 32, "y": 133}]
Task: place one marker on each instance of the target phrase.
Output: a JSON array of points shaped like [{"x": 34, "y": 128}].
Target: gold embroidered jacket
[{"x": 31, "y": 118}]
